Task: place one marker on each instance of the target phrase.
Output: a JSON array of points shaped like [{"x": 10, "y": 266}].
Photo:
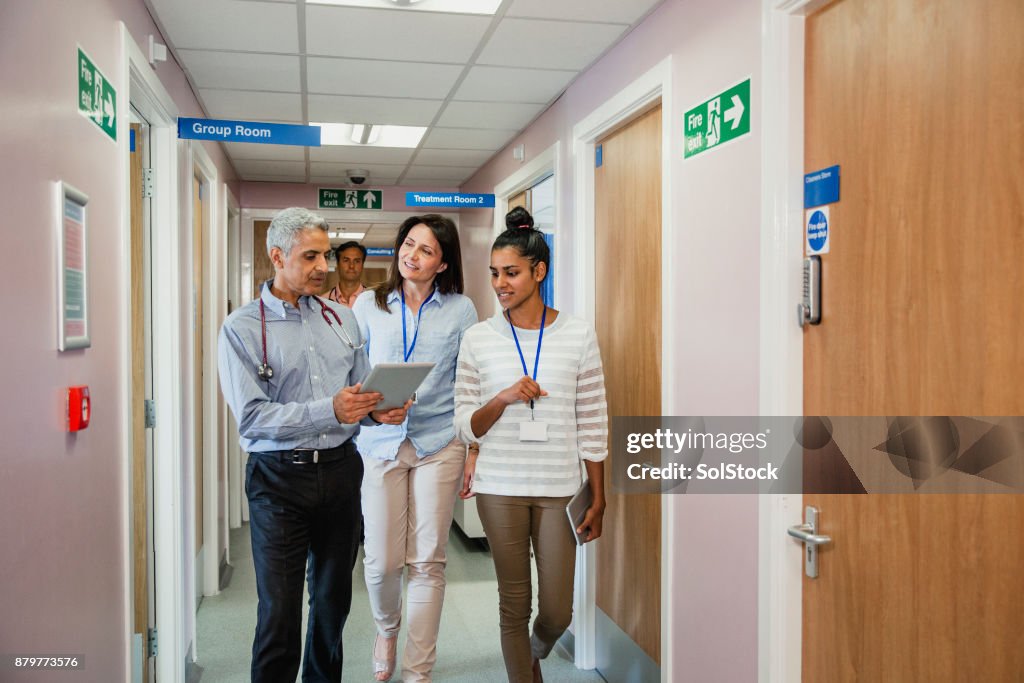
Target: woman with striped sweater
[{"x": 529, "y": 388}]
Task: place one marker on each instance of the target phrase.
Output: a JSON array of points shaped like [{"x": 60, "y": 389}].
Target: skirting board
[{"x": 619, "y": 659}]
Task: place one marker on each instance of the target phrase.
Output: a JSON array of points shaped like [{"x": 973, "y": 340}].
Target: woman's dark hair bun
[
  {"x": 524, "y": 238},
  {"x": 518, "y": 218}
]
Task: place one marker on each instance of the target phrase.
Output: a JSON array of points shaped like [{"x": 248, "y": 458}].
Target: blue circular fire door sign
[{"x": 817, "y": 231}]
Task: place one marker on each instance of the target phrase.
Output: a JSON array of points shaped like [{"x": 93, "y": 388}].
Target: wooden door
[
  {"x": 628, "y": 266},
  {"x": 198, "y": 267},
  {"x": 143, "y": 560},
  {"x": 262, "y": 266},
  {"x": 920, "y": 104}
]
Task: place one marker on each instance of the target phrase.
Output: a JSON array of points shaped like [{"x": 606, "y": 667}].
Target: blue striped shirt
[
  {"x": 295, "y": 409},
  {"x": 444, "y": 319}
]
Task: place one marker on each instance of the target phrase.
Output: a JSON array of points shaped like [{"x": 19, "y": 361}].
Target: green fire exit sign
[
  {"x": 97, "y": 99},
  {"x": 724, "y": 117},
  {"x": 330, "y": 198}
]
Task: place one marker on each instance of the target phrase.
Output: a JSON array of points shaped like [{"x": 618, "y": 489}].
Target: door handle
[{"x": 808, "y": 534}]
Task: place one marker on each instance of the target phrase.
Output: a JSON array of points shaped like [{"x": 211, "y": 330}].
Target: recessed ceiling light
[
  {"x": 348, "y": 235},
  {"x": 365, "y": 134},
  {"x": 388, "y": 136},
  {"x": 487, "y": 7}
]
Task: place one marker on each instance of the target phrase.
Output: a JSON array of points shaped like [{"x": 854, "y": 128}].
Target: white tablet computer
[{"x": 397, "y": 381}]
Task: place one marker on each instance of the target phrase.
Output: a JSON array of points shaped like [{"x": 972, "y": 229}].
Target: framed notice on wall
[{"x": 72, "y": 269}]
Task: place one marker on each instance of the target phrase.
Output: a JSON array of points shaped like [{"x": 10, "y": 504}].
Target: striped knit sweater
[{"x": 575, "y": 407}]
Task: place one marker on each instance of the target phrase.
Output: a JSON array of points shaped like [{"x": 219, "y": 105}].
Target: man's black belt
[{"x": 312, "y": 456}]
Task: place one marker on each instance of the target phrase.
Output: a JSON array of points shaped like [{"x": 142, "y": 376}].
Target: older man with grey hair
[{"x": 291, "y": 365}]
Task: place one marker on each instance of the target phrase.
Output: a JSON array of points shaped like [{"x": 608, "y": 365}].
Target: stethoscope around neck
[{"x": 265, "y": 372}]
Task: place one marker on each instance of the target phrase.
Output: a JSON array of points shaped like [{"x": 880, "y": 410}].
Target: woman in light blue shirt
[{"x": 413, "y": 470}]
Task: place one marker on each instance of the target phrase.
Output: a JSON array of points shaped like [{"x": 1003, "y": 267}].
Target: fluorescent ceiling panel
[
  {"x": 453, "y": 6},
  {"x": 347, "y": 235},
  {"x": 390, "y": 136}
]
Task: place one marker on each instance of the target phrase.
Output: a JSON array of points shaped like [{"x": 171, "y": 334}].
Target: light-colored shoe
[{"x": 384, "y": 657}]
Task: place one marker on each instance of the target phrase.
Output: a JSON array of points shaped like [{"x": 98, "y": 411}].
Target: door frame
[
  {"x": 541, "y": 166},
  {"x": 143, "y": 90},
  {"x": 642, "y": 94},
  {"x": 214, "y": 246},
  {"x": 780, "y": 576},
  {"x": 233, "y": 488}
]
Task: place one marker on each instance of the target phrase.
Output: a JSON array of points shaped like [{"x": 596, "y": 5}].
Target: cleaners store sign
[{"x": 221, "y": 130}]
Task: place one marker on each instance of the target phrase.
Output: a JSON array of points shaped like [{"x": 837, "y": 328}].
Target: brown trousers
[{"x": 512, "y": 523}]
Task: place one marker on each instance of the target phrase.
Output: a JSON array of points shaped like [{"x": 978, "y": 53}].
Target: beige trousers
[
  {"x": 512, "y": 523},
  {"x": 407, "y": 514}
]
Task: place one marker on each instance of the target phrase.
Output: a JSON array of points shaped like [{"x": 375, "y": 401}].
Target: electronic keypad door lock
[{"x": 809, "y": 309}]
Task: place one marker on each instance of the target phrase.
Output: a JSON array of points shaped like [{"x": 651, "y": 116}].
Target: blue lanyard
[
  {"x": 540, "y": 340},
  {"x": 405, "y": 350}
]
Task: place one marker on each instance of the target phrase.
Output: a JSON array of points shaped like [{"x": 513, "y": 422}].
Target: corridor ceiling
[{"x": 474, "y": 81}]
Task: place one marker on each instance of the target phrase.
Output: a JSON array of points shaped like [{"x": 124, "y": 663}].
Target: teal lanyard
[
  {"x": 407, "y": 350},
  {"x": 540, "y": 340}
]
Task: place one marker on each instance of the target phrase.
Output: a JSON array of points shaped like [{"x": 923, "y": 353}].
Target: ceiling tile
[
  {"x": 335, "y": 76},
  {"x": 252, "y": 150},
  {"x": 414, "y": 181},
  {"x": 249, "y": 105},
  {"x": 454, "y": 157},
  {"x": 339, "y": 181},
  {"x": 229, "y": 25},
  {"x": 321, "y": 168},
  {"x": 252, "y": 167},
  {"x": 503, "y": 84},
  {"x": 615, "y": 11},
  {"x": 506, "y": 115},
  {"x": 242, "y": 70},
  {"x": 441, "y": 172},
  {"x": 347, "y": 109},
  {"x": 349, "y": 154},
  {"x": 256, "y": 178},
  {"x": 392, "y": 34},
  {"x": 548, "y": 44},
  {"x": 467, "y": 138}
]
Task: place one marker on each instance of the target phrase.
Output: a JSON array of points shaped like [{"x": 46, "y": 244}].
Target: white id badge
[{"x": 533, "y": 431}]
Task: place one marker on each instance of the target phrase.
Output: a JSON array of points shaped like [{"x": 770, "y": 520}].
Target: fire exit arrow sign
[
  {"x": 330, "y": 198},
  {"x": 723, "y": 118},
  {"x": 97, "y": 99}
]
